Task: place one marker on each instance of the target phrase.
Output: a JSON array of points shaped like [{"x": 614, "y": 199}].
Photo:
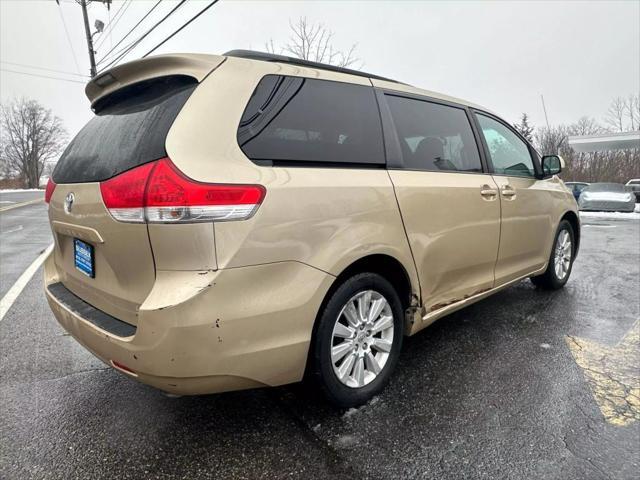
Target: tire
[
  {"x": 342, "y": 346},
  {"x": 555, "y": 277}
]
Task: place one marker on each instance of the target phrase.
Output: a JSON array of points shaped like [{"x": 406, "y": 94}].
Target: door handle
[
  {"x": 508, "y": 191},
  {"x": 487, "y": 191}
]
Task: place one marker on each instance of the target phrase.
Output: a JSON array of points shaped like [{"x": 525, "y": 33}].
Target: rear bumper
[{"x": 209, "y": 332}]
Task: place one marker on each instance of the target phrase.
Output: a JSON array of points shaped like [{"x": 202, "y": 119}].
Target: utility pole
[{"x": 87, "y": 30}]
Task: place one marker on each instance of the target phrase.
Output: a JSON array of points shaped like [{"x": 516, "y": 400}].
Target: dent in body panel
[
  {"x": 183, "y": 246},
  {"x": 452, "y": 230}
]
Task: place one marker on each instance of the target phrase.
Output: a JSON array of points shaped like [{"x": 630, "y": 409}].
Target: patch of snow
[
  {"x": 345, "y": 441},
  {"x": 18, "y": 190},
  {"x": 546, "y": 346},
  {"x": 352, "y": 411},
  {"x": 349, "y": 413}
]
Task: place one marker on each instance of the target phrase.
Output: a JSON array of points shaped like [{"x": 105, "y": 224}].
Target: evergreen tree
[{"x": 525, "y": 129}]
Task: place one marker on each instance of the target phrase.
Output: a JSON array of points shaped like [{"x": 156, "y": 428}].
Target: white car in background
[{"x": 607, "y": 197}]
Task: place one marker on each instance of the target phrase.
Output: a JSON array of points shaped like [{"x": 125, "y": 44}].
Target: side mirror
[{"x": 552, "y": 165}]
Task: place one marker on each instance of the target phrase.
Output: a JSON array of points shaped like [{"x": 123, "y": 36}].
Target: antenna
[{"x": 545, "y": 111}]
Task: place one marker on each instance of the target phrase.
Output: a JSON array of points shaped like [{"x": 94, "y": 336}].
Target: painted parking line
[
  {"x": 15, "y": 291},
  {"x": 21, "y": 204},
  {"x": 12, "y": 230},
  {"x": 612, "y": 374}
]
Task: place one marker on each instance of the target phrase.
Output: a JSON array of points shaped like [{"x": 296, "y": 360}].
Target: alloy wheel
[
  {"x": 362, "y": 339},
  {"x": 563, "y": 253}
]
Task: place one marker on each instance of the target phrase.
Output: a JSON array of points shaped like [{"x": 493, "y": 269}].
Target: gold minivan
[{"x": 239, "y": 221}]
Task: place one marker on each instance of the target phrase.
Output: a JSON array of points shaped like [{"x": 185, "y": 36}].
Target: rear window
[
  {"x": 294, "y": 120},
  {"x": 130, "y": 128}
]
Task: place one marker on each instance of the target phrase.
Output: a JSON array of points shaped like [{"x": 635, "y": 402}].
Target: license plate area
[{"x": 83, "y": 257}]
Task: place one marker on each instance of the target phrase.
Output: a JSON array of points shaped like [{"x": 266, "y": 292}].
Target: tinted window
[
  {"x": 509, "y": 153},
  {"x": 129, "y": 129},
  {"x": 434, "y": 137},
  {"x": 293, "y": 119}
]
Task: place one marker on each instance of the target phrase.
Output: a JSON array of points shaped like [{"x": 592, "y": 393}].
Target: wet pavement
[
  {"x": 24, "y": 233},
  {"x": 492, "y": 391},
  {"x": 8, "y": 197}
]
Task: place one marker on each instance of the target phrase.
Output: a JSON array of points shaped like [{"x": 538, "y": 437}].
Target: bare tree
[
  {"x": 550, "y": 140},
  {"x": 315, "y": 42},
  {"x": 615, "y": 116},
  {"x": 633, "y": 111},
  {"x": 31, "y": 136},
  {"x": 624, "y": 113}
]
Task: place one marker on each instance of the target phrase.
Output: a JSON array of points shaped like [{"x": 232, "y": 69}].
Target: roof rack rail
[{"x": 272, "y": 57}]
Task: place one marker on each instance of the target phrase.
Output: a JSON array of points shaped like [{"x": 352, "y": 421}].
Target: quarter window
[
  {"x": 295, "y": 119},
  {"x": 434, "y": 137},
  {"x": 509, "y": 154}
]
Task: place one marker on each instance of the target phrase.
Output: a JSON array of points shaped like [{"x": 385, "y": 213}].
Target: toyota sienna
[{"x": 239, "y": 221}]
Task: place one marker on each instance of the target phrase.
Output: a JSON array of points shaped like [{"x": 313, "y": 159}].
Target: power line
[
  {"x": 114, "y": 21},
  {"x": 43, "y": 68},
  {"x": 135, "y": 43},
  {"x": 41, "y": 76},
  {"x": 104, "y": 57},
  {"x": 180, "y": 29},
  {"x": 73, "y": 53}
]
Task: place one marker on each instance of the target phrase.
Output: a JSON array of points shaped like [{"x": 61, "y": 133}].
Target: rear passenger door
[
  {"x": 450, "y": 207},
  {"x": 526, "y": 201}
]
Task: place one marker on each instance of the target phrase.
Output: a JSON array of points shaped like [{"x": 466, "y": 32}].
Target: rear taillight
[
  {"x": 158, "y": 192},
  {"x": 51, "y": 186}
]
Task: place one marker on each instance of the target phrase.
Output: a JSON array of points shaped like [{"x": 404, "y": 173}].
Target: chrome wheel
[
  {"x": 563, "y": 253},
  {"x": 362, "y": 339}
]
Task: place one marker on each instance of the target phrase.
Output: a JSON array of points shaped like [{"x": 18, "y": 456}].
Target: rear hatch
[{"x": 106, "y": 262}]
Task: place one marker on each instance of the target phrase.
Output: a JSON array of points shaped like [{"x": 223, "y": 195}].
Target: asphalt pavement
[
  {"x": 502, "y": 389},
  {"x": 12, "y": 197},
  {"x": 24, "y": 233}
]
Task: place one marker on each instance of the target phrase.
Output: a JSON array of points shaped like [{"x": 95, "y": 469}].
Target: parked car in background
[
  {"x": 576, "y": 188},
  {"x": 237, "y": 221},
  {"x": 607, "y": 197},
  {"x": 633, "y": 185}
]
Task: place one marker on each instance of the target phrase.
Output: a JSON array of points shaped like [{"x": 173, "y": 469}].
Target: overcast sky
[{"x": 502, "y": 55}]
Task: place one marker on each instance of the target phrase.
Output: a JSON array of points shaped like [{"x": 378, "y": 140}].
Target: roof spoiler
[{"x": 194, "y": 65}]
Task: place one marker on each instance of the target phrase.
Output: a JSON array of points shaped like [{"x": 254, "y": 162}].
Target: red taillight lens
[
  {"x": 51, "y": 186},
  {"x": 158, "y": 192},
  {"x": 123, "y": 195}
]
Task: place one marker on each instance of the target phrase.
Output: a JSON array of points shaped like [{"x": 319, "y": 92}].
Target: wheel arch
[{"x": 388, "y": 267}]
